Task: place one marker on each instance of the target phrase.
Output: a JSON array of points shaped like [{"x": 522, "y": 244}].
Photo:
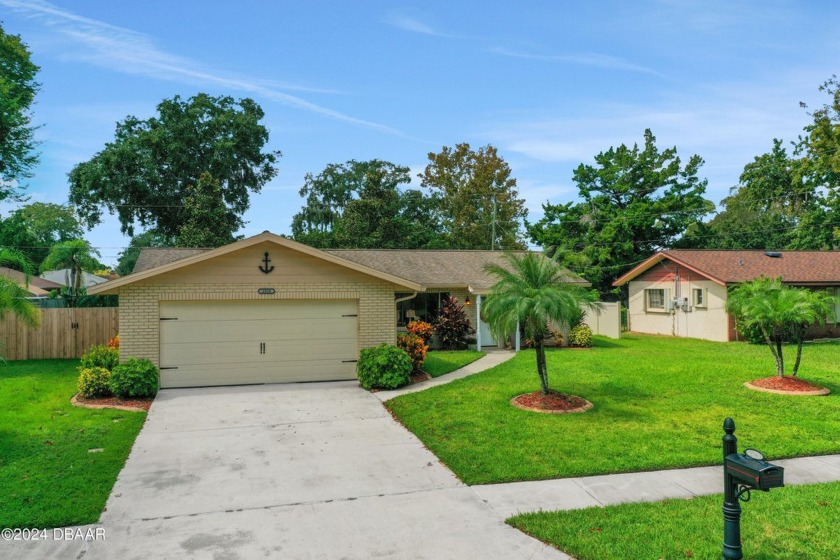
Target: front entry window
[{"x": 424, "y": 307}]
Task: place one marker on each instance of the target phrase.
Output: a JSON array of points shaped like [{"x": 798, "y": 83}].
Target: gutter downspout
[{"x": 398, "y": 300}]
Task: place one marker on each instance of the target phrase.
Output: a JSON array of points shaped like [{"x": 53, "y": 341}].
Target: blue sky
[{"x": 550, "y": 84}]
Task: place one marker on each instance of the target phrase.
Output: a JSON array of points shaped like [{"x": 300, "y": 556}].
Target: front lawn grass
[
  {"x": 659, "y": 403},
  {"x": 48, "y": 476},
  {"x": 792, "y": 522},
  {"x": 440, "y": 362}
]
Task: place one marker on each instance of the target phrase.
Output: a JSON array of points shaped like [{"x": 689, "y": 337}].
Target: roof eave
[{"x": 113, "y": 286}]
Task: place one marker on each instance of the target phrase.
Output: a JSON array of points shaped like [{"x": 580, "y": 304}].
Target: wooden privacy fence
[{"x": 63, "y": 333}]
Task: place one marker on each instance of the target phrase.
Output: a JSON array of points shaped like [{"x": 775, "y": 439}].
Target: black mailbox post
[{"x": 742, "y": 472}]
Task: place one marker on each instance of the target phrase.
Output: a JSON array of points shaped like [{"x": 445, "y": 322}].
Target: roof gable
[
  {"x": 201, "y": 256},
  {"x": 731, "y": 267}
]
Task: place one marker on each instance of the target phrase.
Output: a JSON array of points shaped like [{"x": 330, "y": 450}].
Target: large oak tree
[
  {"x": 147, "y": 172},
  {"x": 360, "y": 204}
]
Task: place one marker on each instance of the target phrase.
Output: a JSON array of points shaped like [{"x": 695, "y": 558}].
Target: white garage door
[{"x": 234, "y": 343}]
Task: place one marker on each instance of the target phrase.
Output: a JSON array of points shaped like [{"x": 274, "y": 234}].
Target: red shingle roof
[{"x": 729, "y": 267}]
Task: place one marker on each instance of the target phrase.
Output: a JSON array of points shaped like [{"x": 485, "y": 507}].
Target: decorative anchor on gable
[{"x": 266, "y": 268}]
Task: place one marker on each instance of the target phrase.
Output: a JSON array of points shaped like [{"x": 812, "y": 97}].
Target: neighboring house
[
  {"x": 62, "y": 277},
  {"x": 267, "y": 309},
  {"x": 683, "y": 292},
  {"x": 37, "y": 287}
]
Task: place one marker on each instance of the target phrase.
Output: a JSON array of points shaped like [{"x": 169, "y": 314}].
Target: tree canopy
[
  {"x": 634, "y": 201},
  {"x": 145, "y": 174},
  {"x": 17, "y": 133},
  {"x": 34, "y": 228},
  {"x": 207, "y": 220},
  {"x": 359, "y": 204},
  {"x": 478, "y": 197}
]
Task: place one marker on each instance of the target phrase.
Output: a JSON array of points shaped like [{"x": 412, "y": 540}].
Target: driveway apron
[{"x": 317, "y": 470}]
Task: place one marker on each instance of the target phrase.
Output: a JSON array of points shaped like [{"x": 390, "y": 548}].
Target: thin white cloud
[
  {"x": 412, "y": 25},
  {"x": 124, "y": 50},
  {"x": 584, "y": 59}
]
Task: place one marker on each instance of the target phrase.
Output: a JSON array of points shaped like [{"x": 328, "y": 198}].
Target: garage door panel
[
  {"x": 185, "y": 332},
  {"x": 229, "y": 343}
]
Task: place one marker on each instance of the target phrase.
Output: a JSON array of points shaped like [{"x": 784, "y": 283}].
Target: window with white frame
[
  {"x": 656, "y": 300},
  {"x": 835, "y": 317},
  {"x": 698, "y": 297}
]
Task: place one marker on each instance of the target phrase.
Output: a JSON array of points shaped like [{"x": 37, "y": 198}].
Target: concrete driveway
[{"x": 293, "y": 471}]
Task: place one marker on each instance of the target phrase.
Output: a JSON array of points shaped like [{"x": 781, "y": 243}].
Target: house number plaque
[
  {"x": 265, "y": 268},
  {"x": 266, "y": 291}
]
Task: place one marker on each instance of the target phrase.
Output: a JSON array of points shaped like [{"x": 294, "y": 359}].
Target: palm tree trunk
[
  {"x": 798, "y": 356},
  {"x": 780, "y": 360},
  {"x": 780, "y": 367},
  {"x": 541, "y": 367}
]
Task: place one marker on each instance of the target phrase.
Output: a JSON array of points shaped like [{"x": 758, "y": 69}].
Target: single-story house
[
  {"x": 268, "y": 309},
  {"x": 36, "y": 287},
  {"x": 683, "y": 292}
]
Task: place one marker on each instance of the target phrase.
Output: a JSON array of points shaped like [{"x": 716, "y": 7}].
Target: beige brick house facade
[{"x": 274, "y": 310}]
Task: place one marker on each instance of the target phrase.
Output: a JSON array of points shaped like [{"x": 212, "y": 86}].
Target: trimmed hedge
[
  {"x": 383, "y": 367},
  {"x": 136, "y": 378},
  {"x": 100, "y": 356},
  {"x": 580, "y": 336},
  {"x": 94, "y": 382}
]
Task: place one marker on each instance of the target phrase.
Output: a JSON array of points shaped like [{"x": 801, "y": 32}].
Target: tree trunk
[
  {"x": 541, "y": 367},
  {"x": 780, "y": 359},
  {"x": 798, "y": 357},
  {"x": 780, "y": 369}
]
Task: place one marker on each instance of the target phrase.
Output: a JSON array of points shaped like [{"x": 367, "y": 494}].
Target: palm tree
[
  {"x": 780, "y": 312},
  {"x": 13, "y": 297},
  {"x": 531, "y": 293},
  {"x": 76, "y": 256}
]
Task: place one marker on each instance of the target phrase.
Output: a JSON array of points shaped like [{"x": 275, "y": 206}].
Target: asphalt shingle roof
[
  {"x": 426, "y": 267},
  {"x": 794, "y": 267}
]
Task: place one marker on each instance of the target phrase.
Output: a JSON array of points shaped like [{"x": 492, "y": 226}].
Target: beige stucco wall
[
  {"x": 709, "y": 323},
  {"x": 236, "y": 276}
]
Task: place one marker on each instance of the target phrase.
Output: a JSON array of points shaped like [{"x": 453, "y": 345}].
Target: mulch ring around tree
[
  {"x": 134, "y": 405},
  {"x": 554, "y": 402},
  {"x": 786, "y": 386}
]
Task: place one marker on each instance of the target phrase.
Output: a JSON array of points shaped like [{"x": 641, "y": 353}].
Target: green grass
[
  {"x": 786, "y": 523},
  {"x": 440, "y": 362},
  {"x": 47, "y": 476},
  {"x": 659, "y": 403}
]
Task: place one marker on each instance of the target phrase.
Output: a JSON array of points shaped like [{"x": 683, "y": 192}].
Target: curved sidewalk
[{"x": 491, "y": 359}]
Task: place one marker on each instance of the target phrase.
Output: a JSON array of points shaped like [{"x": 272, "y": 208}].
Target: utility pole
[{"x": 493, "y": 223}]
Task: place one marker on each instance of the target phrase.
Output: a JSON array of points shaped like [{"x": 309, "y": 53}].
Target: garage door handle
[
  {"x": 349, "y": 361},
  {"x": 169, "y": 318},
  {"x": 170, "y": 367},
  {"x": 262, "y": 347},
  {"x": 354, "y": 315}
]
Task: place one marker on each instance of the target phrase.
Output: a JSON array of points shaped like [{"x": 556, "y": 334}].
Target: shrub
[
  {"x": 101, "y": 356},
  {"x": 114, "y": 342},
  {"x": 383, "y": 367},
  {"x": 136, "y": 378},
  {"x": 421, "y": 329},
  {"x": 415, "y": 347},
  {"x": 93, "y": 382},
  {"x": 452, "y": 326},
  {"x": 580, "y": 336}
]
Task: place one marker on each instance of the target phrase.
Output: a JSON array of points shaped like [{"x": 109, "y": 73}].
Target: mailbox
[{"x": 750, "y": 469}]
